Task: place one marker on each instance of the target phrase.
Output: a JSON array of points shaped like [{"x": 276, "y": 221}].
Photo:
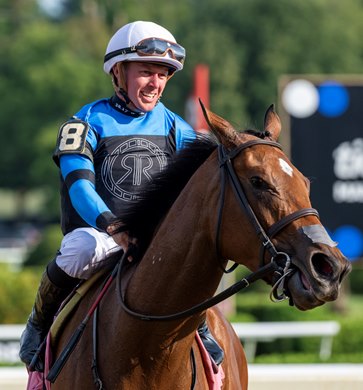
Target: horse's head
[{"x": 275, "y": 196}]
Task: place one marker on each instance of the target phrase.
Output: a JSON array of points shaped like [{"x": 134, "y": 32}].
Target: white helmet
[{"x": 144, "y": 41}]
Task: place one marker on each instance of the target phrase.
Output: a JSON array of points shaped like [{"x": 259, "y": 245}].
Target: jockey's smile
[{"x": 145, "y": 84}]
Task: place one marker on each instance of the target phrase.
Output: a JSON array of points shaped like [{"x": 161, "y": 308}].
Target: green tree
[
  {"x": 45, "y": 77},
  {"x": 54, "y": 66},
  {"x": 296, "y": 37}
]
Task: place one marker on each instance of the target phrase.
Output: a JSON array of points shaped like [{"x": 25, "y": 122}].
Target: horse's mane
[{"x": 156, "y": 198}]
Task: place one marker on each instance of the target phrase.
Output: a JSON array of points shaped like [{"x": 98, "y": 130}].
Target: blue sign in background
[{"x": 338, "y": 120}]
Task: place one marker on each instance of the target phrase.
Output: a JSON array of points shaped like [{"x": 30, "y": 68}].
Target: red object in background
[{"x": 194, "y": 114}]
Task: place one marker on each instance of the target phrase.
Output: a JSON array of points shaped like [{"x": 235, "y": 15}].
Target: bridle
[
  {"x": 278, "y": 292},
  {"x": 280, "y": 264}
]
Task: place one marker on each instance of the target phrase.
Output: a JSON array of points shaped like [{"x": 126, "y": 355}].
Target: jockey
[{"x": 105, "y": 153}]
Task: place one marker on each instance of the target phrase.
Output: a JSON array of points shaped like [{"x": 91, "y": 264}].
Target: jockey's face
[{"x": 145, "y": 83}]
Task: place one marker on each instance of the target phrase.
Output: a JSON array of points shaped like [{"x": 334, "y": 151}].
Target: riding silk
[{"x": 106, "y": 152}]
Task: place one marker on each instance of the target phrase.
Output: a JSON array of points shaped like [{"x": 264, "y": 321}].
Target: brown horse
[{"x": 192, "y": 222}]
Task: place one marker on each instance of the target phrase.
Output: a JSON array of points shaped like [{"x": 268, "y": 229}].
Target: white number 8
[{"x": 72, "y": 137}]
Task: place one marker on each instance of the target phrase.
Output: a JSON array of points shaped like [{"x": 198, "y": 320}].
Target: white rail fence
[
  {"x": 255, "y": 332},
  {"x": 249, "y": 333},
  {"x": 9, "y": 343}
]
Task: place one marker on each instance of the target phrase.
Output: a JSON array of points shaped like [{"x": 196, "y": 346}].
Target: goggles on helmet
[{"x": 152, "y": 47}]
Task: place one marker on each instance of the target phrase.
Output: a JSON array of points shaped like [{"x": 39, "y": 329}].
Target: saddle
[{"x": 70, "y": 305}]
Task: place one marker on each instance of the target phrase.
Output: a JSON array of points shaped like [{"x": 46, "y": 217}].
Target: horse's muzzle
[{"x": 318, "y": 279}]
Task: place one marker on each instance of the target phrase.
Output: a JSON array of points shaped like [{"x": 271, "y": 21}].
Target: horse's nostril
[{"x": 322, "y": 266}]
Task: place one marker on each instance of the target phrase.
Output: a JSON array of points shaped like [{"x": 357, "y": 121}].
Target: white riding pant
[{"x": 84, "y": 251}]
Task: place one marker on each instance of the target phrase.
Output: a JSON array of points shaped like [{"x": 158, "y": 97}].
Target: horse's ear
[
  {"x": 221, "y": 128},
  {"x": 272, "y": 123}
]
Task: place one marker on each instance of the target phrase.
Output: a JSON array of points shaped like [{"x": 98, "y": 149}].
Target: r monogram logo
[{"x": 131, "y": 163}]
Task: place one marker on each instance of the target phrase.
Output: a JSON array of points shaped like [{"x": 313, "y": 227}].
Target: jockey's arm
[{"x": 78, "y": 173}]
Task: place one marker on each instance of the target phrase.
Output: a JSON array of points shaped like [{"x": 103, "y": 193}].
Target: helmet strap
[
  {"x": 119, "y": 82},
  {"x": 124, "y": 95}
]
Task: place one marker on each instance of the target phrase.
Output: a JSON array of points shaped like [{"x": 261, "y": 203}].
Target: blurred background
[{"x": 306, "y": 56}]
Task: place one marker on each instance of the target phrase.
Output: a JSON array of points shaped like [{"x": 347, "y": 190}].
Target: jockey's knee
[{"x": 77, "y": 254}]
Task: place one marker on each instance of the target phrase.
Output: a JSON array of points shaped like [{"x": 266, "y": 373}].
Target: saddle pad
[
  {"x": 37, "y": 380},
  {"x": 214, "y": 373}
]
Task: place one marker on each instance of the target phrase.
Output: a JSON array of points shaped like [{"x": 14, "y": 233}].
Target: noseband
[{"x": 282, "y": 259}]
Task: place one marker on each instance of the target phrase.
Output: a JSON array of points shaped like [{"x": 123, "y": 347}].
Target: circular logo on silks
[{"x": 130, "y": 165}]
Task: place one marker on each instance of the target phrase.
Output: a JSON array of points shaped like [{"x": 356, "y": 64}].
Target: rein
[
  {"x": 245, "y": 282},
  {"x": 279, "y": 265}
]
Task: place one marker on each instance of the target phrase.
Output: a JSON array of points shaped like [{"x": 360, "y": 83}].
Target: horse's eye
[{"x": 258, "y": 183}]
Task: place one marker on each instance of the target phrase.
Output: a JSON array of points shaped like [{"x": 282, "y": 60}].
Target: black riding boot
[
  {"x": 47, "y": 301},
  {"x": 211, "y": 345}
]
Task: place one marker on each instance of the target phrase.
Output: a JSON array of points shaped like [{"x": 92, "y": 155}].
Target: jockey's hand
[{"x": 121, "y": 238}]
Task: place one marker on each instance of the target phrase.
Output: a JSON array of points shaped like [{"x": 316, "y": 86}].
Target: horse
[{"x": 228, "y": 196}]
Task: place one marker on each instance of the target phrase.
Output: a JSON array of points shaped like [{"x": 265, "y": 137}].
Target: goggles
[{"x": 152, "y": 47}]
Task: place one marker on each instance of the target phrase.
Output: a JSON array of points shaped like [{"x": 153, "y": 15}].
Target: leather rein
[{"x": 279, "y": 265}]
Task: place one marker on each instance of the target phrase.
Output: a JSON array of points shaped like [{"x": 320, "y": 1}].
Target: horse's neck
[
  {"x": 180, "y": 267},
  {"x": 178, "y": 270}
]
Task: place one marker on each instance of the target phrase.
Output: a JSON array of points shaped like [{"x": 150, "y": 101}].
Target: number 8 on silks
[{"x": 72, "y": 138}]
